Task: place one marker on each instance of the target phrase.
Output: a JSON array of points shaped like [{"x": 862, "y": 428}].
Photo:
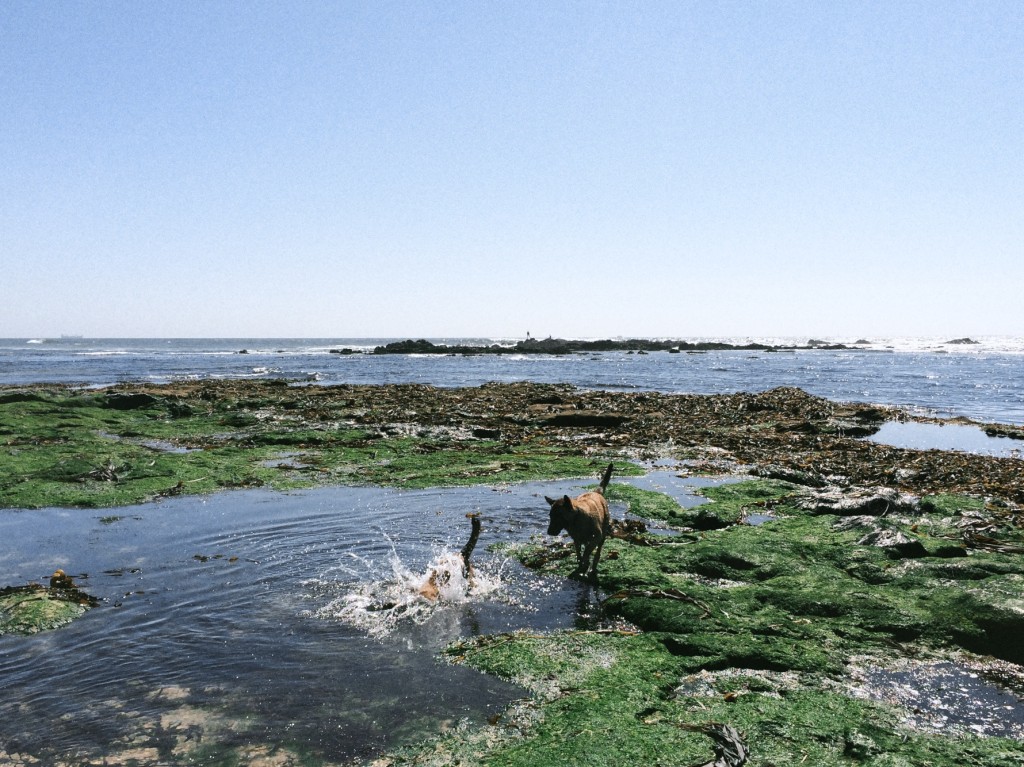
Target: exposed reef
[
  {"x": 572, "y": 346},
  {"x": 128, "y": 443}
]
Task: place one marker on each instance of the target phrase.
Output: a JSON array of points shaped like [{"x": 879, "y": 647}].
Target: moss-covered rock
[{"x": 34, "y": 608}]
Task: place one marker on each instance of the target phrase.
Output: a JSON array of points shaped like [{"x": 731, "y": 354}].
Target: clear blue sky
[{"x": 488, "y": 168}]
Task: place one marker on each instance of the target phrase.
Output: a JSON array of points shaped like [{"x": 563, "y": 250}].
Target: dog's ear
[
  {"x": 567, "y": 501},
  {"x": 551, "y": 501}
]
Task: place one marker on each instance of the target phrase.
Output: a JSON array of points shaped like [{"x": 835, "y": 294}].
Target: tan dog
[{"x": 588, "y": 522}]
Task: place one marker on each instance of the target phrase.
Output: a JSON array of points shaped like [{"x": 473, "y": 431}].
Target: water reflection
[{"x": 949, "y": 436}]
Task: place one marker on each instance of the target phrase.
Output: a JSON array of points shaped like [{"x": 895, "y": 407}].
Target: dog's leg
[
  {"x": 581, "y": 565},
  {"x": 597, "y": 558},
  {"x": 585, "y": 561}
]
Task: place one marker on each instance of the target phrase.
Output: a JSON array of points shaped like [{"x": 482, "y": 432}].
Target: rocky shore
[
  {"x": 66, "y": 446},
  {"x": 823, "y": 607}
]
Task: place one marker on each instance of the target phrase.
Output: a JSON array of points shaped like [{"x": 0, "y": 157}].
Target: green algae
[
  {"x": 609, "y": 698},
  {"x": 751, "y": 627},
  {"x": 32, "y": 609},
  {"x": 61, "y": 448}
]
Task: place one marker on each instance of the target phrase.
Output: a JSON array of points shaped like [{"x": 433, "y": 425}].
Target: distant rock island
[{"x": 566, "y": 346}]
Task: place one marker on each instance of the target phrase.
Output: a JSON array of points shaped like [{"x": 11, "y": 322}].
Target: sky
[{"x": 573, "y": 169}]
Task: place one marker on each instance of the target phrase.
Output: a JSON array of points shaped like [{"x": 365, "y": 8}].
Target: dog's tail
[{"x": 605, "y": 478}]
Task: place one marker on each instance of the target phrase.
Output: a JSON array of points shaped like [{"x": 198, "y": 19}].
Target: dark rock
[
  {"x": 421, "y": 346},
  {"x": 179, "y": 409},
  {"x": 585, "y": 419},
  {"x": 1000, "y": 430},
  {"x": 963, "y": 341},
  {"x": 136, "y": 401},
  {"x": 21, "y": 396}
]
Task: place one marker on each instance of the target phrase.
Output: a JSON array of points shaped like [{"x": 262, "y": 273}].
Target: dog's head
[{"x": 561, "y": 512}]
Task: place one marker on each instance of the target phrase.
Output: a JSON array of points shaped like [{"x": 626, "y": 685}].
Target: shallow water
[
  {"x": 948, "y": 436},
  {"x": 235, "y": 620}
]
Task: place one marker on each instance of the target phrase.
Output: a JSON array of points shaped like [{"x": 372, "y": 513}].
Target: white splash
[{"x": 400, "y": 595}]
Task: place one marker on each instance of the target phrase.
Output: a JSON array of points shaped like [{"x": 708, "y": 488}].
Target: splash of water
[{"x": 400, "y": 595}]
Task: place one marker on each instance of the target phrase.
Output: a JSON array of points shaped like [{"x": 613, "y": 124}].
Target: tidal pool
[
  {"x": 253, "y": 621},
  {"x": 949, "y": 436}
]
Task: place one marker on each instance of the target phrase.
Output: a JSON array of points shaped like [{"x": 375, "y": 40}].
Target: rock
[
  {"x": 796, "y": 476},
  {"x": 897, "y": 544},
  {"x": 585, "y": 419},
  {"x": 871, "y": 501},
  {"x": 21, "y": 396},
  {"x": 33, "y": 608},
  {"x": 136, "y": 401},
  {"x": 1002, "y": 430},
  {"x": 963, "y": 341},
  {"x": 422, "y": 346}
]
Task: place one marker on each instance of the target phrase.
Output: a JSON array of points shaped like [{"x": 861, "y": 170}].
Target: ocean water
[{"x": 983, "y": 381}]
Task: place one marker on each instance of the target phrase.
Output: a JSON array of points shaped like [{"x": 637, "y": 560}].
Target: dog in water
[
  {"x": 588, "y": 522},
  {"x": 431, "y": 588}
]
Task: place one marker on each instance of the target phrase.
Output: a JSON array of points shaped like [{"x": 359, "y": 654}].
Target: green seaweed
[
  {"x": 750, "y": 626},
  {"x": 64, "y": 449},
  {"x": 609, "y": 698}
]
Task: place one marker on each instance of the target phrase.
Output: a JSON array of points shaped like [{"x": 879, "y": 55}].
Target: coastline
[{"x": 870, "y": 556}]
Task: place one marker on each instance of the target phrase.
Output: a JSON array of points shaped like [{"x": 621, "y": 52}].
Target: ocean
[{"x": 983, "y": 381}]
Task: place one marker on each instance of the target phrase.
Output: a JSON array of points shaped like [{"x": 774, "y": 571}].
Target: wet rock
[
  {"x": 585, "y": 419},
  {"x": 795, "y": 476},
  {"x": 34, "y": 608},
  {"x": 137, "y": 401},
  {"x": 872, "y": 501},
  {"x": 898, "y": 545},
  {"x": 21, "y": 396},
  {"x": 422, "y": 346},
  {"x": 1001, "y": 430}
]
